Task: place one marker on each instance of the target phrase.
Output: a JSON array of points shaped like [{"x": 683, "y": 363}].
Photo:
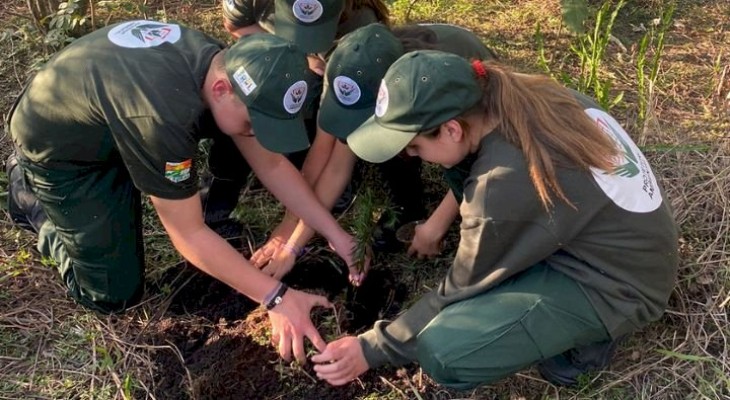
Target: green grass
[{"x": 50, "y": 348}]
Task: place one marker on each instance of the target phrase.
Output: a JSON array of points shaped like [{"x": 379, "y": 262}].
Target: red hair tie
[{"x": 479, "y": 68}]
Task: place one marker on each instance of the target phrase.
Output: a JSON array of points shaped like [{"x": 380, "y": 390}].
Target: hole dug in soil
[{"x": 223, "y": 337}]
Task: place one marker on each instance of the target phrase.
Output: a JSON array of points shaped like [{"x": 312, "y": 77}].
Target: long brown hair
[
  {"x": 380, "y": 9},
  {"x": 545, "y": 121}
]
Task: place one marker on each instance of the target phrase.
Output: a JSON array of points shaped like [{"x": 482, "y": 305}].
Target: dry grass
[{"x": 50, "y": 348}]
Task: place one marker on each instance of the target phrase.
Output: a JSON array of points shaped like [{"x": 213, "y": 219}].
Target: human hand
[
  {"x": 281, "y": 263},
  {"x": 278, "y": 237},
  {"x": 291, "y": 323},
  {"x": 316, "y": 64},
  {"x": 341, "y": 362},
  {"x": 427, "y": 241},
  {"x": 346, "y": 250},
  {"x": 264, "y": 254}
]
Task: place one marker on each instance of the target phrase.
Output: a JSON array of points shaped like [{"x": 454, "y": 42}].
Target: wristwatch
[{"x": 277, "y": 297}]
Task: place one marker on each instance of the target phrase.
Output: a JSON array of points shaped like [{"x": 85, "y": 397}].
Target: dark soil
[{"x": 217, "y": 340}]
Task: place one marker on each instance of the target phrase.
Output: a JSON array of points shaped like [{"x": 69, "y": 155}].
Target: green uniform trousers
[
  {"x": 533, "y": 316},
  {"x": 93, "y": 230}
]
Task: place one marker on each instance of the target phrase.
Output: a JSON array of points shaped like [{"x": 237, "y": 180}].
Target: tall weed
[
  {"x": 590, "y": 49},
  {"x": 648, "y": 61}
]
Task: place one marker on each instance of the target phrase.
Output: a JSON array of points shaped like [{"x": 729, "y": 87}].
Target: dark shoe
[
  {"x": 566, "y": 368},
  {"x": 23, "y": 206},
  {"x": 228, "y": 228},
  {"x": 219, "y": 198}
]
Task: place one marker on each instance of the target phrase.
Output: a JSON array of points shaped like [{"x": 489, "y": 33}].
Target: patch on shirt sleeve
[{"x": 179, "y": 171}]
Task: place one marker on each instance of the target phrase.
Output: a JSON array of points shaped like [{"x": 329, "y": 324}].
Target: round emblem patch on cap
[
  {"x": 295, "y": 96},
  {"x": 346, "y": 90},
  {"x": 381, "y": 104},
  {"x": 307, "y": 11},
  {"x": 143, "y": 34}
]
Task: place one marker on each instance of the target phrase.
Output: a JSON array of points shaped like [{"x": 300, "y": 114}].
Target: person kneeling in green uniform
[
  {"x": 353, "y": 75},
  {"x": 120, "y": 111},
  {"x": 567, "y": 240}
]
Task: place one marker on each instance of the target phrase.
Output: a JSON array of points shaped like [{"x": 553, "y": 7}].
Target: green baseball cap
[
  {"x": 271, "y": 76},
  {"x": 354, "y": 71},
  {"x": 311, "y": 24},
  {"x": 420, "y": 91}
]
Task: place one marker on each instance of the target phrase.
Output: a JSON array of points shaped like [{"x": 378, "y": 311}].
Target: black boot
[
  {"x": 565, "y": 369},
  {"x": 24, "y": 208}
]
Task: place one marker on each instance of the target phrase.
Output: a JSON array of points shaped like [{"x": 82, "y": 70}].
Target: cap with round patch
[
  {"x": 420, "y": 91},
  {"x": 354, "y": 71},
  {"x": 311, "y": 24},
  {"x": 271, "y": 76}
]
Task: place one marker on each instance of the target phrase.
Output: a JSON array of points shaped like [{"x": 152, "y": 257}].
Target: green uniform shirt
[
  {"x": 129, "y": 92},
  {"x": 242, "y": 13},
  {"x": 619, "y": 244}
]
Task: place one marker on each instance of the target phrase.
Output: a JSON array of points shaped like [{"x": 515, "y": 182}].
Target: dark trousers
[
  {"x": 93, "y": 230},
  {"x": 530, "y": 317}
]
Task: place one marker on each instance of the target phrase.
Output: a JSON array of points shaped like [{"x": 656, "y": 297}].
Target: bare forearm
[
  {"x": 443, "y": 216},
  {"x": 317, "y": 157},
  {"x": 285, "y": 183},
  {"x": 330, "y": 186},
  {"x": 336, "y": 175},
  {"x": 301, "y": 236}
]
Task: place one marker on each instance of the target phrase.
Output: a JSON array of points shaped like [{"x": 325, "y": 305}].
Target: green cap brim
[
  {"x": 315, "y": 38},
  {"x": 279, "y": 135},
  {"x": 341, "y": 121},
  {"x": 376, "y": 144}
]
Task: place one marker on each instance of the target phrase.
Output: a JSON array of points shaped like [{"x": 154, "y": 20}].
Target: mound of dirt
[{"x": 214, "y": 342}]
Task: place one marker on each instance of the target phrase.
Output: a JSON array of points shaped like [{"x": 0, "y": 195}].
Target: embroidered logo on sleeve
[
  {"x": 143, "y": 34},
  {"x": 179, "y": 171},
  {"x": 631, "y": 184},
  {"x": 244, "y": 80}
]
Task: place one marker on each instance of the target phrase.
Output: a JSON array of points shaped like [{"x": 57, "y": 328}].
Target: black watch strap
[{"x": 277, "y": 297}]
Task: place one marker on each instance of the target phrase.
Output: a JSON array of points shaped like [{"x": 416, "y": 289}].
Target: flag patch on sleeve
[{"x": 178, "y": 171}]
